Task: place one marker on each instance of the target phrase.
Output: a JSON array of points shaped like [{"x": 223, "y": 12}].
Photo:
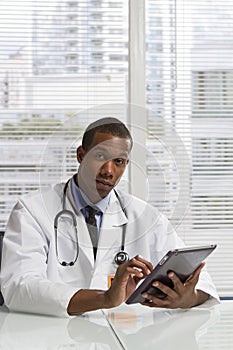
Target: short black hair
[{"x": 108, "y": 125}]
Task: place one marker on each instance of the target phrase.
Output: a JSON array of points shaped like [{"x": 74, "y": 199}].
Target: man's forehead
[
  {"x": 111, "y": 150},
  {"x": 110, "y": 143},
  {"x": 113, "y": 146}
]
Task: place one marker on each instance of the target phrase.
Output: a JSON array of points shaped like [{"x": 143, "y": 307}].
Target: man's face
[{"x": 102, "y": 164}]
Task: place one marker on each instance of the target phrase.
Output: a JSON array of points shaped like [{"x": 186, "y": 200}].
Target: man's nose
[{"x": 108, "y": 168}]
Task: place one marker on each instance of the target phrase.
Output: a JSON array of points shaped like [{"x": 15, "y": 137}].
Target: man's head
[
  {"x": 112, "y": 126},
  {"x": 103, "y": 157}
]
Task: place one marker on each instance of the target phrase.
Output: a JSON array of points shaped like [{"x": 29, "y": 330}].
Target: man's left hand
[{"x": 183, "y": 295}]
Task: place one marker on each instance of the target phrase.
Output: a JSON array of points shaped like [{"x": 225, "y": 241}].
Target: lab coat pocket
[{"x": 103, "y": 272}]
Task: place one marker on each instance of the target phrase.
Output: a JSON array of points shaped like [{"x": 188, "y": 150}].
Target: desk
[
  {"x": 126, "y": 327},
  {"x": 33, "y": 332},
  {"x": 204, "y": 327}
]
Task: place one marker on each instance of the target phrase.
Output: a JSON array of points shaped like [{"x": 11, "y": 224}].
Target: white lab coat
[{"x": 32, "y": 280}]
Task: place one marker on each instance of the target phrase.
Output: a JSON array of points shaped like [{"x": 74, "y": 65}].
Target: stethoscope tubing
[{"x": 119, "y": 258}]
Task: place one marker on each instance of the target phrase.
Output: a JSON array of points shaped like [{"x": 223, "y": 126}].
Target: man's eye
[
  {"x": 120, "y": 161},
  {"x": 99, "y": 156}
]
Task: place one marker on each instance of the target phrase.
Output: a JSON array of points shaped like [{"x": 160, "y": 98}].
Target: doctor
[{"x": 60, "y": 258}]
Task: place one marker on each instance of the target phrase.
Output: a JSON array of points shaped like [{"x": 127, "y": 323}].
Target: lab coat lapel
[{"x": 111, "y": 229}]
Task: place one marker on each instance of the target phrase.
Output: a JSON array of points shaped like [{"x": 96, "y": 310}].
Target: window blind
[
  {"x": 189, "y": 89},
  {"x": 58, "y": 59}
]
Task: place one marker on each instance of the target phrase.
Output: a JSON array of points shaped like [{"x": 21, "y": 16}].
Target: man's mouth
[{"x": 104, "y": 184}]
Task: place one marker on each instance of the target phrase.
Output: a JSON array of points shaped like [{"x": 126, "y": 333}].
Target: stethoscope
[{"x": 120, "y": 258}]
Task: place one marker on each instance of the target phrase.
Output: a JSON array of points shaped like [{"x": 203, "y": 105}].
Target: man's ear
[{"x": 80, "y": 154}]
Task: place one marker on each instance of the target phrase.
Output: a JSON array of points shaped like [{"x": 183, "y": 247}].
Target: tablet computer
[{"x": 182, "y": 261}]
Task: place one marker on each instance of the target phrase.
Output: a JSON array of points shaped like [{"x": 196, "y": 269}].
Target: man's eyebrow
[
  {"x": 105, "y": 150},
  {"x": 99, "y": 148}
]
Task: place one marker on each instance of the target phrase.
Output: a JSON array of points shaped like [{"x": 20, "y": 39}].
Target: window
[
  {"x": 50, "y": 69},
  {"x": 68, "y": 56},
  {"x": 190, "y": 103}
]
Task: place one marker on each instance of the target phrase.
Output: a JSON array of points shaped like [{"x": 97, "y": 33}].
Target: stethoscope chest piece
[{"x": 121, "y": 258}]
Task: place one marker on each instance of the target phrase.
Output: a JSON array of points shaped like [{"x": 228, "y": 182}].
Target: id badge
[{"x": 110, "y": 279}]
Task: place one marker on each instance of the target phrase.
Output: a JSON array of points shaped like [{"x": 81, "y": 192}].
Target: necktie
[{"x": 92, "y": 227}]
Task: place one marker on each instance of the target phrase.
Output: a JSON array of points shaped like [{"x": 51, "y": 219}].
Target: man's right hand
[
  {"x": 123, "y": 285},
  {"x": 126, "y": 279}
]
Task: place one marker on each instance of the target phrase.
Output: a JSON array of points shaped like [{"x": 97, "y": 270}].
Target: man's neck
[{"x": 101, "y": 202}]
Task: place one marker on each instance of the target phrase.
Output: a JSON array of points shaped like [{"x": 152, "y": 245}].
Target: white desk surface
[
  {"x": 127, "y": 327},
  {"x": 203, "y": 327},
  {"x": 33, "y": 332}
]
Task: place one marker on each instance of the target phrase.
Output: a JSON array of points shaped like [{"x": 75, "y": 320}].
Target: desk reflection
[
  {"x": 125, "y": 327},
  {"x": 25, "y": 331},
  {"x": 162, "y": 329}
]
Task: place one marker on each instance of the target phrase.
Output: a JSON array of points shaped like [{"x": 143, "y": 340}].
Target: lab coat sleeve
[
  {"x": 24, "y": 283},
  {"x": 206, "y": 284}
]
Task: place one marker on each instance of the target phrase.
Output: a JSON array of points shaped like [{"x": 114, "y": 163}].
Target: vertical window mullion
[{"x": 136, "y": 112}]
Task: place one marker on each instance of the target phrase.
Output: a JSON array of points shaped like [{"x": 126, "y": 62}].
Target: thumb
[{"x": 194, "y": 277}]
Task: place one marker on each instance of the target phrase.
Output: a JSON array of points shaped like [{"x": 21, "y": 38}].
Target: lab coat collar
[{"x": 114, "y": 214}]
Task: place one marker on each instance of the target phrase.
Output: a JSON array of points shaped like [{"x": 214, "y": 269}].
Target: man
[{"x": 38, "y": 274}]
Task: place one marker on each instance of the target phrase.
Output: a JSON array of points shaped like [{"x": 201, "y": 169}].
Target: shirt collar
[{"x": 81, "y": 200}]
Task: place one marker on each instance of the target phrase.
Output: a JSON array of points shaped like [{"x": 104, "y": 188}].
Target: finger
[
  {"x": 164, "y": 288},
  {"x": 198, "y": 270},
  {"x": 144, "y": 261},
  {"x": 124, "y": 273},
  {"x": 193, "y": 279},
  {"x": 178, "y": 285},
  {"x": 141, "y": 264},
  {"x": 133, "y": 272},
  {"x": 161, "y": 303},
  {"x": 153, "y": 301},
  {"x": 150, "y": 304},
  {"x": 136, "y": 265}
]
